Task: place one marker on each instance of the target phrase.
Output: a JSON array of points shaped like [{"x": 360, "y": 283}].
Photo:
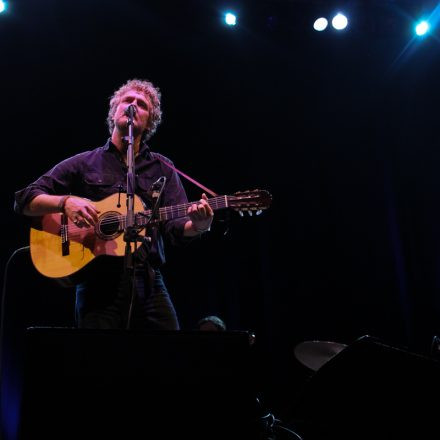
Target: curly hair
[{"x": 150, "y": 91}]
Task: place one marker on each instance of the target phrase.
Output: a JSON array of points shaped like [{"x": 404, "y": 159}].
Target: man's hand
[
  {"x": 201, "y": 215},
  {"x": 82, "y": 212}
]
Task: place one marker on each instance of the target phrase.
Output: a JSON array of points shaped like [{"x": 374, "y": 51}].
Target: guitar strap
[{"x": 212, "y": 193}]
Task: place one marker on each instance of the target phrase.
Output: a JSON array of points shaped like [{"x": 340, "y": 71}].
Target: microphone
[
  {"x": 155, "y": 192},
  {"x": 130, "y": 111},
  {"x": 158, "y": 185}
]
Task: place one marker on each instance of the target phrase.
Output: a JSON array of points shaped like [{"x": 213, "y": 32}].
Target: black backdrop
[{"x": 342, "y": 129}]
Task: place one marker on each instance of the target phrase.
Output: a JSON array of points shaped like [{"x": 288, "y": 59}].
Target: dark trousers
[{"x": 104, "y": 300}]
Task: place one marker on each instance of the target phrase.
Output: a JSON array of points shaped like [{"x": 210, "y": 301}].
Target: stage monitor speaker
[
  {"x": 129, "y": 385},
  {"x": 373, "y": 390}
]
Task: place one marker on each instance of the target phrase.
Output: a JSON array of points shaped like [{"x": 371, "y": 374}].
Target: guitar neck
[{"x": 177, "y": 211}]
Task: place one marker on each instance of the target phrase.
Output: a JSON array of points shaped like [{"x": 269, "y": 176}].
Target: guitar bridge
[{"x": 64, "y": 232}]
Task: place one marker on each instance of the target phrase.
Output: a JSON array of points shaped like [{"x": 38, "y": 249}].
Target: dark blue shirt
[{"x": 101, "y": 172}]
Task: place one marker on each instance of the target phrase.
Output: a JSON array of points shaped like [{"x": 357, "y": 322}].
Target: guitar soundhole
[{"x": 108, "y": 226}]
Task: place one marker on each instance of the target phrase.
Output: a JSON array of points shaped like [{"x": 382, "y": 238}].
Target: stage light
[
  {"x": 320, "y": 24},
  {"x": 3, "y": 6},
  {"x": 339, "y": 21},
  {"x": 422, "y": 28},
  {"x": 230, "y": 19}
]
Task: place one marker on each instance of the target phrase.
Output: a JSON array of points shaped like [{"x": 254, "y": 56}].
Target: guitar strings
[
  {"x": 174, "y": 211},
  {"x": 181, "y": 210}
]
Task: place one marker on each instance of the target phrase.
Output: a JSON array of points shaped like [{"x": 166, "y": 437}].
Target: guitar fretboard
[
  {"x": 243, "y": 201},
  {"x": 177, "y": 211}
]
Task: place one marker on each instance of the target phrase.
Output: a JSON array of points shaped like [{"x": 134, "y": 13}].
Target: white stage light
[
  {"x": 339, "y": 21},
  {"x": 320, "y": 24}
]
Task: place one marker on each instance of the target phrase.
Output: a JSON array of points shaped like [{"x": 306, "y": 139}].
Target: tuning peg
[
  {"x": 258, "y": 212},
  {"x": 250, "y": 213},
  {"x": 241, "y": 213}
]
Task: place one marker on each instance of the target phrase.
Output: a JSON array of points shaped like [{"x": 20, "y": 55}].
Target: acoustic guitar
[{"x": 60, "y": 249}]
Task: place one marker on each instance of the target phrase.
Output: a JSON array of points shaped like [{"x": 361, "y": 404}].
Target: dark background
[{"x": 341, "y": 128}]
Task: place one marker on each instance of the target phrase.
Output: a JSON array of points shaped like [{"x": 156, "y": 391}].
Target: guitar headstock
[{"x": 256, "y": 200}]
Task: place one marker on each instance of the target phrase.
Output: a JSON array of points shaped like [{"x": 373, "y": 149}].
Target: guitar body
[{"x": 59, "y": 248}]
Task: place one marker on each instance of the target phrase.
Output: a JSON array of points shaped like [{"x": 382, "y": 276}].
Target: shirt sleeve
[{"x": 57, "y": 181}]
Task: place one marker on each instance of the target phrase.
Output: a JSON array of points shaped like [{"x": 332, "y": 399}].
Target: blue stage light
[
  {"x": 3, "y": 6},
  {"x": 230, "y": 19},
  {"x": 422, "y": 28}
]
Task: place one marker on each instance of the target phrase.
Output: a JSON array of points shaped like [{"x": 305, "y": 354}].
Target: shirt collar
[{"x": 144, "y": 149}]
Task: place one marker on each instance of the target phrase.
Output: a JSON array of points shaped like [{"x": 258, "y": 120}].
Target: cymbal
[{"x": 314, "y": 354}]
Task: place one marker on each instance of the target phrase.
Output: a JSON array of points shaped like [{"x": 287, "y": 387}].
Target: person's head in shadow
[{"x": 211, "y": 323}]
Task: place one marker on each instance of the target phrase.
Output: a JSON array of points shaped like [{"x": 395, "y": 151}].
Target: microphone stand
[
  {"x": 130, "y": 173},
  {"x": 131, "y": 231},
  {"x": 131, "y": 234}
]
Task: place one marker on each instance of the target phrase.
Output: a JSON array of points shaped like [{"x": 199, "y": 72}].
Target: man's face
[{"x": 140, "y": 120}]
